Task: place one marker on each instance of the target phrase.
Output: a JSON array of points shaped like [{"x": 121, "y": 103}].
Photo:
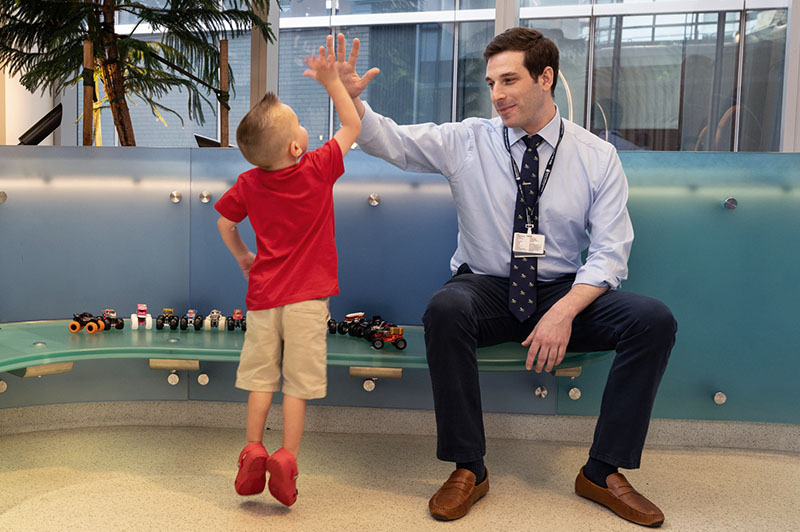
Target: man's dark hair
[{"x": 540, "y": 52}]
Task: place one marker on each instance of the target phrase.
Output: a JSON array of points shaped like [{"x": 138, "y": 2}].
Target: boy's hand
[
  {"x": 246, "y": 262},
  {"x": 322, "y": 67}
]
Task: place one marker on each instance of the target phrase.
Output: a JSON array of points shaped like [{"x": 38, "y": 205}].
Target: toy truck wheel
[
  {"x": 221, "y": 325},
  {"x": 92, "y": 327},
  {"x": 184, "y": 324},
  {"x": 400, "y": 343},
  {"x": 148, "y": 322},
  {"x": 207, "y": 323},
  {"x": 332, "y": 326},
  {"x": 244, "y": 324},
  {"x": 198, "y": 322},
  {"x": 342, "y": 328},
  {"x": 106, "y": 324},
  {"x": 173, "y": 323},
  {"x": 101, "y": 325},
  {"x": 120, "y": 324},
  {"x": 74, "y": 326},
  {"x": 159, "y": 323},
  {"x": 377, "y": 343},
  {"x": 231, "y": 325},
  {"x": 134, "y": 322}
]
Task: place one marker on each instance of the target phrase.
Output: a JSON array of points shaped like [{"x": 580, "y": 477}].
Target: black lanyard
[{"x": 545, "y": 176}]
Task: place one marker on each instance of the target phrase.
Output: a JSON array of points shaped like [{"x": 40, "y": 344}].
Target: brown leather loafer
[
  {"x": 457, "y": 495},
  {"x": 620, "y": 498}
]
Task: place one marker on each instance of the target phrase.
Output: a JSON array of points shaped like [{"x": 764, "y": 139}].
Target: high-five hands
[
  {"x": 322, "y": 67},
  {"x": 354, "y": 83}
]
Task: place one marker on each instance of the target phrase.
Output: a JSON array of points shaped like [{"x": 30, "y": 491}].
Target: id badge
[{"x": 528, "y": 245}]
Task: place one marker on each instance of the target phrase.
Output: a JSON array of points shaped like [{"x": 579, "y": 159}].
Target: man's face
[{"x": 520, "y": 100}]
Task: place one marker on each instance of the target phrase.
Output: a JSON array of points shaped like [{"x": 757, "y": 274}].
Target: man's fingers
[
  {"x": 353, "y": 52},
  {"x": 341, "y": 46},
  {"x": 371, "y": 73},
  {"x": 531, "y": 356},
  {"x": 562, "y": 352},
  {"x": 329, "y": 50},
  {"x": 544, "y": 354}
]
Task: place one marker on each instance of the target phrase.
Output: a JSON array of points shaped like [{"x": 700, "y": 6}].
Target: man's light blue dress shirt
[{"x": 583, "y": 205}]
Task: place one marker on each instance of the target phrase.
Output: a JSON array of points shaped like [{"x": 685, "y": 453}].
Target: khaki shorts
[{"x": 291, "y": 338}]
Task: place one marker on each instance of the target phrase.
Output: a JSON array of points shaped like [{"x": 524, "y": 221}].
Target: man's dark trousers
[{"x": 471, "y": 311}]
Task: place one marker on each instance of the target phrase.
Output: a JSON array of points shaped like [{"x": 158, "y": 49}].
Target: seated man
[{"x": 532, "y": 192}]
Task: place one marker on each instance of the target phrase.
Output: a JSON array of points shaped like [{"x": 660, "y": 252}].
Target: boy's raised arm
[{"x": 324, "y": 69}]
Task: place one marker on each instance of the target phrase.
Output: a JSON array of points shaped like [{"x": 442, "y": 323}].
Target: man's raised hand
[{"x": 354, "y": 83}]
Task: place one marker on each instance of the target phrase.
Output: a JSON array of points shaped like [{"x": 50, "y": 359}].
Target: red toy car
[
  {"x": 237, "y": 320},
  {"x": 386, "y": 333}
]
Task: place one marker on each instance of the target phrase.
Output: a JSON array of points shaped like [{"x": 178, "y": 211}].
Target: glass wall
[
  {"x": 416, "y": 61},
  {"x": 664, "y": 82},
  {"x": 571, "y": 35},
  {"x": 631, "y": 71},
  {"x": 762, "y": 81}
]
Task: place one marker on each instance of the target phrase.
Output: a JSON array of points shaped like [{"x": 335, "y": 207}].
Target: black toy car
[
  {"x": 110, "y": 320},
  {"x": 167, "y": 319}
]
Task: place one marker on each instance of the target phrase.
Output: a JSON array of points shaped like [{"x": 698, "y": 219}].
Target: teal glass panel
[
  {"x": 216, "y": 282},
  {"x": 727, "y": 275},
  {"x": 85, "y": 229}
]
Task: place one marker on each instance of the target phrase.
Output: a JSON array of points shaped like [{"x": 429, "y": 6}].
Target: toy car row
[
  {"x": 192, "y": 319},
  {"x": 376, "y": 331}
]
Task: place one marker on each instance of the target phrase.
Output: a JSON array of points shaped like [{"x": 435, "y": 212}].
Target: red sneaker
[
  {"x": 282, "y": 468},
  {"x": 252, "y": 474}
]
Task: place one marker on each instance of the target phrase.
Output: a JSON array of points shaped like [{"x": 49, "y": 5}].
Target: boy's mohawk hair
[
  {"x": 254, "y": 129},
  {"x": 269, "y": 99}
]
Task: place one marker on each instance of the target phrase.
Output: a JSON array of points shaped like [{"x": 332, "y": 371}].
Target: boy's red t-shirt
[{"x": 291, "y": 211}]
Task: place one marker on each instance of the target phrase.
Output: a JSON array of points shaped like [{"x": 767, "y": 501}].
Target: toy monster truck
[
  {"x": 214, "y": 320},
  {"x": 141, "y": 318},
  {"x": 167, "y": 318},
  {"x": 192, "y": 319},
  {"x": 237, "y": 319}
]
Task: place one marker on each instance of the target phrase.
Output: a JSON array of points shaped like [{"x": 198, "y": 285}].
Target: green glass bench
[{"x": 46, "y": 347}]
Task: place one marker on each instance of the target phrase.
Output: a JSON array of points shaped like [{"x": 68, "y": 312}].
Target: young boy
[{"x": 290, "y": 206}]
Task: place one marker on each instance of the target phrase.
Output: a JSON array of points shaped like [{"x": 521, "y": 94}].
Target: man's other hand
[{"x": 548, "y": 340}]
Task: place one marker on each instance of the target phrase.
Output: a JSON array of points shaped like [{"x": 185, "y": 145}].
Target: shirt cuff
[
  {"x": 596, "y": 277},
  {"x": 369, "y": 124}
]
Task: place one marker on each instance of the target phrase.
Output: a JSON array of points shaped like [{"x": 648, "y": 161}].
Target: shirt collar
[{"x": 549, "y": 132}]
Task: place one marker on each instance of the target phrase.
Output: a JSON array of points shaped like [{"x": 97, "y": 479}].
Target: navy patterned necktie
[{"x": 522, "y": 275}]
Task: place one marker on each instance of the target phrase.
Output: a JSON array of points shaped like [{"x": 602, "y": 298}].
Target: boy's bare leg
[
  {"x": 258, "y": 404},
  {"x": 294, "y": 417}
]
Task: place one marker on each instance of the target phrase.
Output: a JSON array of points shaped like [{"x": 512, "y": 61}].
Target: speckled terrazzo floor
[{"x": 181, "y": 479}]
